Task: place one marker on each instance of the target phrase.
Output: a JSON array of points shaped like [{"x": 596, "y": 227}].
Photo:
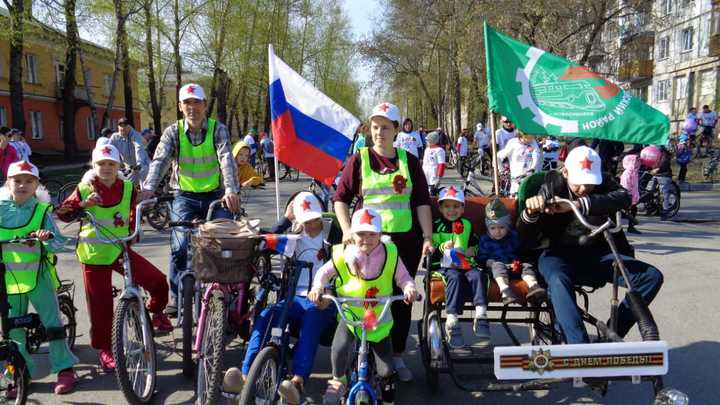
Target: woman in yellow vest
[
  {"x": 390, "y": 181},
  {"x": 369, "y": 267},
  {"x": 112, "y": 200},
  {"x": 30, "y": 272}
]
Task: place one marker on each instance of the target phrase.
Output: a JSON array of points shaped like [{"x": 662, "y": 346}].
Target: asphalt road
[{"x": 686, "y": 311}]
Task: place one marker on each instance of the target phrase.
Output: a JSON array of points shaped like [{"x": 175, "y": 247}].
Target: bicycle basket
[{"x": 223, "y": 250}]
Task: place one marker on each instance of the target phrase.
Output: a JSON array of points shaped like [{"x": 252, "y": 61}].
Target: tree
[
  {"x": 152, "y": 86},
  {"x": 68, "y": 92},
  {"x": 17, "y": 27}
]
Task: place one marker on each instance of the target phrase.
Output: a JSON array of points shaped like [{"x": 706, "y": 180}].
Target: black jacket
[
  {"x": 563, "y": 231},
  {"x": 665, "y": 166}
]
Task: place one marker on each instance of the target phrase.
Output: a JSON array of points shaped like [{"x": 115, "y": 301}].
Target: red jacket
[{"x": 7, "y": 157}]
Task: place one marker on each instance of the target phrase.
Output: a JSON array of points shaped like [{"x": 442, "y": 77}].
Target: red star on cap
[
  {"x": 586, "y": 164},
  {"x": 384, "y": 107},
  {"x": 451, "y": 192},
  {"x": 191, "y": 89},
  {"x": 25, "y": 166},
  {"x": 366, "y": 218},
  {"x": 306, "y": 205},
  {"x": 106, "y": 151}
]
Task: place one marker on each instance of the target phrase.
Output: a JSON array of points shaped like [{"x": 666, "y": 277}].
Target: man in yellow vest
[{"x": 203, "y": 170}]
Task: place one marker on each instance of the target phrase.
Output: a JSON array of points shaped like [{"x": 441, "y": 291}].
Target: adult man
[
  {"x": 567, "y": 260},
  {"x": 268, "y": 151},
  {"x": 131, "y": 146},
  {"x": 506, "y": 133},
  {"x": 250, "y": 141},
  {"x": 709, "y": 120},
  {"x": 203, "y": 170}
]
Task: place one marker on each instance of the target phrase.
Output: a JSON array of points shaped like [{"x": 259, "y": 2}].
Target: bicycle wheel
[
  {"x": 212, "y": 348},
  {"x": 188, "y": 292},
  {"x": 67, "y": 316},
  {"x": 53, "y": 186},
  {"x": 674, "y": 200},
  {"x": 17, "y": 379},
  {"x": 158, "y": 216},
  {"x": 262, "y": 380},
  {"x": 133, "y": 348},
  {"x": 65, "y": 191}
]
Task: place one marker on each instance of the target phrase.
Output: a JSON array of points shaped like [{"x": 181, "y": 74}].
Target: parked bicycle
[{"x": 36, "y": 336}]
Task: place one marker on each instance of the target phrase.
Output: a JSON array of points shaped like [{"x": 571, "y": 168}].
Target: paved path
[{"x": 687, "y": 253}]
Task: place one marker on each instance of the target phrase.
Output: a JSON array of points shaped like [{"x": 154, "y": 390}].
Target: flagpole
[
  {"x": 493, "y": 141},
  {"x": 277, "y": 184}
]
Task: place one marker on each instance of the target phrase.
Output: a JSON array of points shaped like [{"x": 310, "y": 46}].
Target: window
[
  {"x": 686, "y": 39},
  {"x": 662, "y": 90},
  {"x": 90, "y": 128},
  {"x": 664, "y": 48},
  {"x": 707, "y": 83},
  {"x": 31, "y": 68},
  {"x": 3, "y": 117},
  {"x": 107, "y": 82},
  {"x": 60, "y": 74},
  {"x": 681, "y": 88},
  {"x": 667, "y": 6},
  {"x": 36, "y": 118}
]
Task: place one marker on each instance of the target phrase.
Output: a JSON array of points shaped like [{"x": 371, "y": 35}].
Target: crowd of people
[{"x": 390, "y": 178}]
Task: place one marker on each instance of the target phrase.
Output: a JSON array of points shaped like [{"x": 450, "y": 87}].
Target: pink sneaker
[
  {"x": 107, "y": 362},
  {"x": 65, "y": 381},
  {"x": 162, "y": 323}
]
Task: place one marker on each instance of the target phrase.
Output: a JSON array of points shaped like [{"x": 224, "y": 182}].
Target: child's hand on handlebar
[
  {"x": 42, "y": 235},
  {"x": 92, "y": 200}
]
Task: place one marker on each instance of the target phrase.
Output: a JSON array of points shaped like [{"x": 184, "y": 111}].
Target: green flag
[{"x": 545, "y": 94}]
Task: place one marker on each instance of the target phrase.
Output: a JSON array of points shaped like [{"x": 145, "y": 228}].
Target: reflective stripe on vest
[
  {"x": 198, "y": 166},
  {"x": 380, "y": 193},
  {"x": 461, "y": 240},
  {"x": 22, "y": 262},
  {"x": 113, "y": 221},
  {"x": 348, "y": 285}
]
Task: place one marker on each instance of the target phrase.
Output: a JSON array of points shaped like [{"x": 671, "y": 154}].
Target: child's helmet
[
  {"x": 683, "y": 137},
  {"x": 650, "y": 156}
]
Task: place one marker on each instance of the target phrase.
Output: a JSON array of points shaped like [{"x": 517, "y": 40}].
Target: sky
[{"x": 361, "y": 14}]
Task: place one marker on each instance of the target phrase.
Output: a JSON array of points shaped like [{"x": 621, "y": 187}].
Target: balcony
[
  {"x": 80, "y": 92},
  {"x": 714, "y": 45},
  {"x": 637, "y": 69}
]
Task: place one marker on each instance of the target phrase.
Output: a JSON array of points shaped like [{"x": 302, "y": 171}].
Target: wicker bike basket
[{"x": 223, "y": 251}]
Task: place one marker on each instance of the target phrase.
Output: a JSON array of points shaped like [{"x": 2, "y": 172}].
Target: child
[
  {"x": 454, "y": 242},
  {"x": 30, "y": 273},
  {"x": 659, "y": 160},
  {"x": 498, "y": 248},
  {"x": 112, "y": 200},
  {"x": 303, "y": 315},
  {"x": 525, "y": 158},
  {"x": 247, "y": 175},
  {"x": 630, "y": 181},
  {"x": 434, "y": 162},
  {"x": 683, "y": 156},
  {"x": 366, "y": 268},
  {"x": 17, "y": 140}
]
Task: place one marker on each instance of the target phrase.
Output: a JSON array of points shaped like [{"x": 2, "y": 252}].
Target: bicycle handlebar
[
  {"x": 338, "y": 301},
  {"x": 138, "y": 223},
  {"x": 24, "y": 239},
  {"x": 612, "y": 226}
]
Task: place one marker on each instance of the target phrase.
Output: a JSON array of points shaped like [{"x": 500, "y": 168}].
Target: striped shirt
[{"x": 167, "y": 153}]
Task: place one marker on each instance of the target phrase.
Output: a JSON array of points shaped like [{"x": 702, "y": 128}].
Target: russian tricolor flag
[
  {"x": 310, "y": 131},
  {"x": 283, "y": 244},
  {"x": 453, "y": 258}
]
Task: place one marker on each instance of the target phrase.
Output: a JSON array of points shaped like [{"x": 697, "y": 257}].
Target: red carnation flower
[
  {"x": 399, "y": 183},
  {"x": 458, "y": 228},
  {"x": 516, "y": 266}
]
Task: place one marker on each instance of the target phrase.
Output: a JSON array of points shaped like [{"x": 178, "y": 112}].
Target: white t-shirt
[
  {"x": 462, "y": 146},
  {"x": 482, "y": 138},
  {"x": 502, "y": 137},
  {"x": 307, "y": 250},
  {"x": 432, "y": 158},
  {"x": 411, "y": 142},
  {"x": 551, "y": 149},
  {"x": 523, "y": 159},
  {"x": 708, "y": 118},
  {"x": 250, "y": 141}
]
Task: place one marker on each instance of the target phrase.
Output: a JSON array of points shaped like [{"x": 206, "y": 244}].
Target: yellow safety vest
[
  {"x": 349, "y": 285},
  {"x": 388, "y": 194},
  {"x": 198, "y": 166},
  {"x": 113, "y": 221}
]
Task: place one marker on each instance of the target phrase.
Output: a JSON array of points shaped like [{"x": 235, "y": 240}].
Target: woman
[
  {"x": 392, "y": 182},
  {"x": 409, "y": 139}
]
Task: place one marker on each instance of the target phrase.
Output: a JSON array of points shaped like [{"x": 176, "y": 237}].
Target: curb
[{"x": 690, "y": 187}]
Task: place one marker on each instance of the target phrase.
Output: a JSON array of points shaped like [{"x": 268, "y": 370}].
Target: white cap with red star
[
  {"x": 583, "y": 166},
  {"x": 366, "y": 220},
  {"x": 387, "y": 110},
  {"x": 23, "y": 167},
  {"x": 192, "y": 90},
  {"x": 306, "y": 207},
  {"x": 105, "y": 152},
  {"x": 452, "y": 193}
]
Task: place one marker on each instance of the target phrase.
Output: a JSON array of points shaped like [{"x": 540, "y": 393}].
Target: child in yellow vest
[
  {"x": 367, "y": 268},
  {"x": 112, "y": 200},
  {"x": 30, "y": 272}
]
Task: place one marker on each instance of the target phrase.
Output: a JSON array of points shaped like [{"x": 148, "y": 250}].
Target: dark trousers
[
  {"x": 464, "y": 284},
  {"x": 682, "y": 173},
  {"x": 409, "y": 246},
  {"x": 342, "y": 346},
  {"x": 562, "y": 271},
  {"x": 270, "y": 163}
]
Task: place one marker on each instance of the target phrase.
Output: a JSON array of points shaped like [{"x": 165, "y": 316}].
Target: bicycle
[
  {"x": 158, "y": 215},
  {"x": 364, "y": 388},
  {"x": 653, "y": 200},
  {"x": 65, "y": 296},
  {"x": 133, "y": 345},
  {"x": 15, "y": 375}
]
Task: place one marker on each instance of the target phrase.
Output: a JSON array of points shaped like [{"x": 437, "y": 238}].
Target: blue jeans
[
  {"x": 462, "y": 285},
  {"x": 186, "y": 207},
  {"x": 303, "y": 316},
  {"x": 563, "y": 271}
]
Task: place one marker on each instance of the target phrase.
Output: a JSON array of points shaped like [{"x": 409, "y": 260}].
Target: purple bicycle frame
[{"x": 236, "y": 316}]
